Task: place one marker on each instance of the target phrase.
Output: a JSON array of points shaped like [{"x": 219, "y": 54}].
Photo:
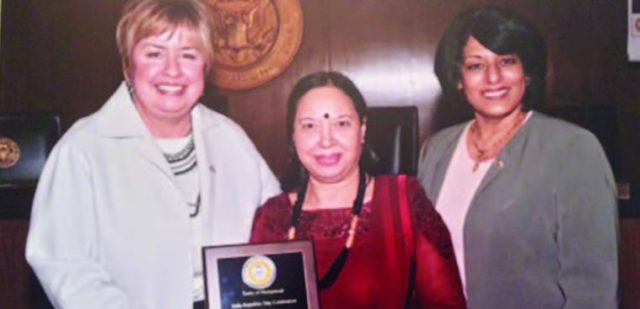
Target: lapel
[
  {"x": 204, "y": 134},
  {"x": 119, "y": 119},
  {"x": 444, "y": 158}
]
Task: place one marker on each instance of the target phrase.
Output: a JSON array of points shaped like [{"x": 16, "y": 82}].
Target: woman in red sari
[{"x": 378, "y": 241}]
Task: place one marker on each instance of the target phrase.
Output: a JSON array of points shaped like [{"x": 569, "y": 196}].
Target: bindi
[{"x": 326, "y": 115}]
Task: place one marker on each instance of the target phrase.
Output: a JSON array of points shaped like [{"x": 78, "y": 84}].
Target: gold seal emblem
[
  {"x": 9, "y": 153},
  {"x": 259, "y": 272},
  {"x": 254, "y": 40}
]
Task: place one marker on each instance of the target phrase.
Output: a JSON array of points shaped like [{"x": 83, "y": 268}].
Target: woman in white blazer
[{"x": 131, "y": 193}]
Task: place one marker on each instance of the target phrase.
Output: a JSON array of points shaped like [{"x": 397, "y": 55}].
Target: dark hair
[
  {"x": 296, "y": 175},
  {"x": 502, "y": 32}
]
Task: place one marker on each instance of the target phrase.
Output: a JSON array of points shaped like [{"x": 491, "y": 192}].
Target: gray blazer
[{"x": 542, "y": 230}]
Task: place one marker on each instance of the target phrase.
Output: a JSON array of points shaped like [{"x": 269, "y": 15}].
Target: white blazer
[{"x": 109, "y": 227}]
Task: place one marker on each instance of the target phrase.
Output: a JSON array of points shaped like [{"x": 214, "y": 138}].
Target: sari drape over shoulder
[{"x": 383, "y": 269}]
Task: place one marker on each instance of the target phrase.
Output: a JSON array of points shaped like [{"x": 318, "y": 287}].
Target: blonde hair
[{"x": 144, "y": 18}]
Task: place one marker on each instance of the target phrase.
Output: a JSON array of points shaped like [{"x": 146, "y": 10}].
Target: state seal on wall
[
  {"x": 254, "y": 40},
  {"x": 9, "y": 153}
]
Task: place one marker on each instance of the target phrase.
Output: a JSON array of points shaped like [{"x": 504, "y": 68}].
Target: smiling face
[
  {"x": 493, "y": 84},
  {"x": 328, "y": 135},
  {"x": 167, "y": 74}
]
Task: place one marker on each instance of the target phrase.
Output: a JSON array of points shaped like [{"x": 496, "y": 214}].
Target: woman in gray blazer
[{"x": 530, "y": 200}]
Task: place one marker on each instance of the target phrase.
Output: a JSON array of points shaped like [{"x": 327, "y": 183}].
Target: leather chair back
[{"x": 392, "y": 134}]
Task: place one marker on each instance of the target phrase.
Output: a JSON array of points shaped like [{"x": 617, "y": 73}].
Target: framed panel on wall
[
  {"x": 0, "y": 24},
  {"x": 633, "y": 41}
]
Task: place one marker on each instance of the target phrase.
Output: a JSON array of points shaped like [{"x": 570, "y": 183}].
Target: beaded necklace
[
  {"x": 338, "y": 264},
  {"x": 491, "y": 149}
]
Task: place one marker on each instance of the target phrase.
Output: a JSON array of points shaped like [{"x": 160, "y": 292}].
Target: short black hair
[
  {"x": 296, "y": 175},
  {"x": 501, "y": 31}
]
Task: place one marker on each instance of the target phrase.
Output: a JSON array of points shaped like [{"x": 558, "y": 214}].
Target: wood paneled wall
[
  {"x": 14, "y": 275},
  {"x": 629, "y": 257},
  {"x": 61, "y": 56}
]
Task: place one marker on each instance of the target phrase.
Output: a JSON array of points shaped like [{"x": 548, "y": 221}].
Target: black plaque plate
[{"x": 272, "y": 275}]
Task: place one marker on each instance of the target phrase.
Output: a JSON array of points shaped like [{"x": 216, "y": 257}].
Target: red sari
[{"x": 383, "y": 269}]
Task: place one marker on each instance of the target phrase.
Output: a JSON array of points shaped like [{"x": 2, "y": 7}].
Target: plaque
[
  {"x": 270, "y": 275},
  {"x": 254, "y": 40}
]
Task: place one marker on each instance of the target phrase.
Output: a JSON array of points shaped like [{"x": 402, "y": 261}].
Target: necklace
[
  {"x": 195, "y": 206},
  {"x": 484, "y": 152},
  {"x": 338, "y": 264},
  {"x": 182, "y": 154}
]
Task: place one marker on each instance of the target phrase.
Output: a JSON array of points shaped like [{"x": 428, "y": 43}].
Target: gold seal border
[
  {"x": 250, "y": 264},
  {"x": 12, "y": 159},
  {"x": 276, "y": 60}
]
